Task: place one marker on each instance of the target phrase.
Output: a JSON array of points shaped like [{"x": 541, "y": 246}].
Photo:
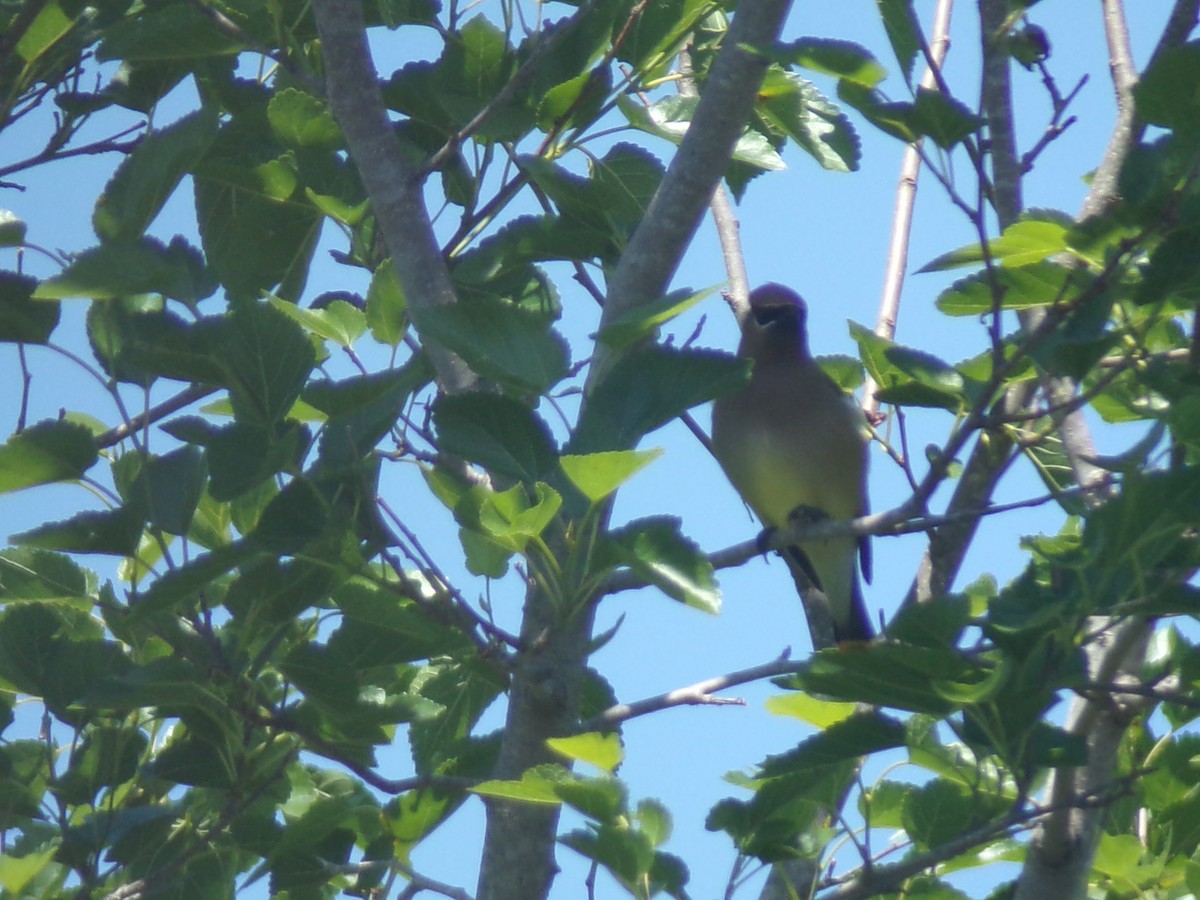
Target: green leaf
[
  {"x": 938, "y": 812},
  {"x": 51, "y": 450},
  {"x": 267, "y": 359},
  {"x": 255, "y": 235},
  {"x": 115, "y": 532},
  {"x": 166, "y": 32},
  {"x": 898, "y": 676},
  {"x": 644, "y": 321},
  {"x": 651, "y": 40},
  {"x": 49, "y": 25},
  {"x": 656, "y": 549},
  {"x": 513, "y": 517},
  {"x": 299, "y": 119},
  {"x": 148, "y": 176},
  {"x": 387, "y": 308},
  {"x": 12, "y": 229},
  {"x": 815, "y": 711},
  {"x": 18, "y": 871},
  {"x": 22, "y": 319},
  {"x": 859, "y": 734},
  {"x": 179, "y": 587},
  {"x": 903, "y": 31},
  {"x": 599, "y": 474},
  {"x": 499, "y": 341},
  {"x": 1168, "y": 93},
  {"x": 944, "y": 119},
  {"x": 1032, "y": 238},
  {"x": 121, "y": 268},
  {"x": 604, "y": 751},
  {"x": 670, "y": 117},
  {"x": 500, "y": 433},
  {"x": 647, "y": 388},
  {"x": 794, "y": 106},
  {"x": 292, "y": 519},
  {"x": 844, "y": 59},
  {"x": 168, "y": 489},
  {"x": 1039, "y": 284},
  {"x": 410, "y": 630},
  {"x": 908, "y": 376},
  {"x": 536, "y": 785},
  {"x": 339, "y": 322}
]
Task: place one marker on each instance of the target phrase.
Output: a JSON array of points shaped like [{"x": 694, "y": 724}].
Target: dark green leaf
[
  {"x": 657, "y": 550},
  {"x": 169, "y": 32},
  {"x": 168, "y": 488},
  {"x": 299, "y": 119},
  {"x": 52, "y": 450},
  {"x": 889, "y": 675},
  {"x": 903, "y": 32},
  {"x": 115, "y": 532},
  {"x": 387, "y": 309},
  {"x": 858, "y": 735},
  {"x": 295, "y": 516},
  {"x": 908, "y": 376},
  {"x": 499, "y": 341},
  {"x": 22, "y": 319},
  {"x": 412, "y": 632},
  {"x": 12, "y": 229},
  {"x": 147, "y": 177},
  {"x": 120, "y": 268},
  {"x": 645, "y": 320},
  {"x": 646, "y": 389},
  {"x": 267, "y": 359},
  {"x": 833, "y": 57},
  {"x": 256, "y": 236},
  {"x": 796, "y": 108},
  {"x": 944, "y": 119},
  {"x": 1168, "y": 93},
  {"x": 500, "y": 433}
]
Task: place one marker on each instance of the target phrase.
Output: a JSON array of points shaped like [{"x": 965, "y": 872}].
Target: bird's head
[{"x": 777, "y": 322}]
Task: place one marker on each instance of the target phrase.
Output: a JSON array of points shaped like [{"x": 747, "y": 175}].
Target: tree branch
[{"x": 392, "y": 184}]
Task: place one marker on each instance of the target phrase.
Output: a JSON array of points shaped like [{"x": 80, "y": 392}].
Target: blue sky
[{"x": 823, "y": 233}]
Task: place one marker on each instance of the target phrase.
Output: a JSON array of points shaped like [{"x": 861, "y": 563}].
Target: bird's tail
[{"x": 832, "y": 619}]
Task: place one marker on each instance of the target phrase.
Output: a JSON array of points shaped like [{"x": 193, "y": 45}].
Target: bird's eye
[{"x": 768, "y": 315}]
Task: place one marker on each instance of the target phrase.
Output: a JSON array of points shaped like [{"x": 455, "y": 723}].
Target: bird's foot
[
  {"x": 807, "y": 515},
  {"x": 763, "y": 541}
]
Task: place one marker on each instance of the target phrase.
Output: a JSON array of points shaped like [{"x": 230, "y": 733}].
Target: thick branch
[
  {"x": 654, "y": 251},
  {"x": 391, "y": 183}
]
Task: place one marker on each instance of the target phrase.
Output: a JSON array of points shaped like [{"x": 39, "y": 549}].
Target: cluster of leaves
[{"x": 270, "y": 616}]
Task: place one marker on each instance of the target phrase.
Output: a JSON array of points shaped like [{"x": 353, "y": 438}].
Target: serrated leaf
[
  {"x": 147, "y": 177},
  {"x": 500, "y": 433},
  {"x": 12, "y": 229},
  {"x": 795, "y": 107},
  {"x": 647, "y": 388},
  {"x": 903, "y": 31},
  {"x": 114, "y": 532},
  {"x": 599, "y": 474},
  {"x": 339, "y": 321},
  {"x": 670, "y": 117},
  {"x": 536, "y": 785},
  {"x": 645, "y": 320},
  {"x": 807, "y": 708},
  {"x": 859, "y": 734},
  {"x": 844, "y": 59},
  {"x": 22, "y": 319},
  {"x": 604, "y": 751},
  {"x": 267, "y": 359},
  {"x": 51, "y": 450},
  {"x": 499, "y": 341},
  {"x": 387, "y": 308},
  {"x": 1031, "y": 239},
  {"x": 1038, "y": 284},
  {"x": 657, "y": 550},
  {"x": 166, "y": 33},
  {"x": 121, "y": 268},
  {"x": 299, "y": 119}
]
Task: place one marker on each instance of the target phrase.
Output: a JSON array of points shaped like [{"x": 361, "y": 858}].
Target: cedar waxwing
[{"x": 794, "y": 445}]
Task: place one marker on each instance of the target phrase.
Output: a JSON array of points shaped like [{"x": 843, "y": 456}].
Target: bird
[{"x": 794, "y": 446}]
